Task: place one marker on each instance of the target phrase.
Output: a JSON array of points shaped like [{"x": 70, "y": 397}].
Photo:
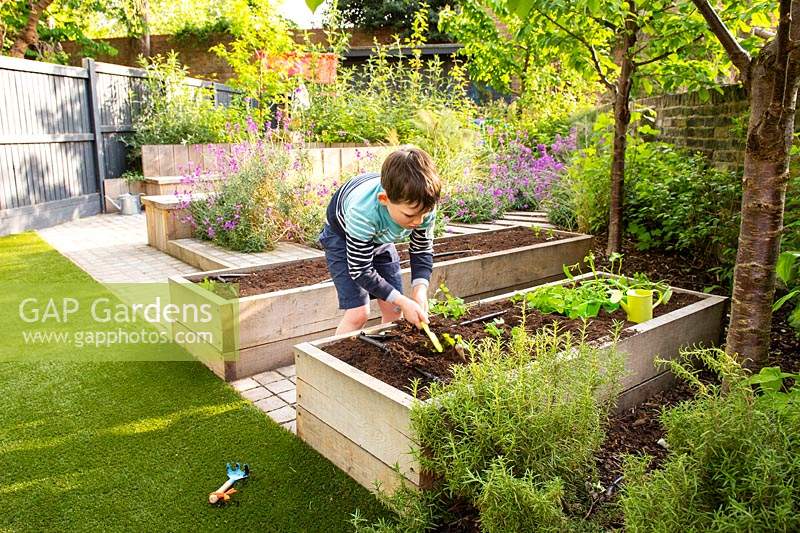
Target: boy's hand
[
  {"x": 420, "y": 295},
  {"x": 412, "y": 311}
]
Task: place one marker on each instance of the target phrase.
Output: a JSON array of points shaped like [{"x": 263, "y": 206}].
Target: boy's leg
[
  {"x": 352, "y": 298},
  {"x": 353, "y": 319},
  {"x": 389, "y": 311}
]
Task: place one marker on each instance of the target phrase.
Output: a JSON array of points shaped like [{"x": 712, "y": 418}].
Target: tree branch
[
  {"x": 763, "y": 33},
  {"x": 781, "y": 54},
  {"x": 595, "y": 59},
  {"x": 667, "y": 53},
  {"x": 603, "y": 22},
  {"x": 786, "y": 65},
  {"x": 737, "y": 54},
  {"x": 28, "y": 35}
]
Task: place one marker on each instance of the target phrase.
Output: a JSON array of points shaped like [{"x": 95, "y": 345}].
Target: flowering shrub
[
  {"x": 261, "y": 196},
  {"x": 264, "y": 193},
  {"x": 527, "y": 174},
  {"x": 518, "y": 177}
]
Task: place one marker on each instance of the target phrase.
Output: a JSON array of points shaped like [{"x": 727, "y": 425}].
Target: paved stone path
[
  {"x": 275, "y": 393},
  {"x": 113, "y": 248}
]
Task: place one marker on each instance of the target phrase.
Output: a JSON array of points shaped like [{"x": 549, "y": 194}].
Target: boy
[{"x": 366, "y": 216}]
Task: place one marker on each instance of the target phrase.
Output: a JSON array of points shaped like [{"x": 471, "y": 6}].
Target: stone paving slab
[
  {"x": 274, "y": 392},
  {"x": 112, "y": 248}
]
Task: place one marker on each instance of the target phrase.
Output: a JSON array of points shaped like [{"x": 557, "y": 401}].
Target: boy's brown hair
[{"x": 409, "y": 175}]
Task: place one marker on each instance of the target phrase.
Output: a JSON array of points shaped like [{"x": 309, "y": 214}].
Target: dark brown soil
[
  {"x": 411, "y": 355},
  {"x": 312, "y": 271},
  {"x": 638, "y": 430}
]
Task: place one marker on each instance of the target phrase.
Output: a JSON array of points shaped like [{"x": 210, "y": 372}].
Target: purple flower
[{"x": 252, "y": 127}]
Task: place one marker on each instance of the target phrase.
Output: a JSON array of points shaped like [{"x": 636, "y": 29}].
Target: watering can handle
[{"x": 658, "y": 300}]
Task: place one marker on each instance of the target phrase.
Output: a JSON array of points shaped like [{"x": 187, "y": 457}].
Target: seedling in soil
[
  {"x": 220, "y": 287},
  {"x": 457, "y": 343},
  {"x": 493, "y": 328},
  {"x": 450, "y": 307}
]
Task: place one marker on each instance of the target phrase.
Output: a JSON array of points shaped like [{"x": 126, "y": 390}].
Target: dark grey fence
[{"x": 60, "y": 136}]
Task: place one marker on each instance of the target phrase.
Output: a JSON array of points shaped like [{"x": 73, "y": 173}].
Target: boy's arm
[
  {"x": 360, "y": 255},
  {"x": 421, "y": 252}
]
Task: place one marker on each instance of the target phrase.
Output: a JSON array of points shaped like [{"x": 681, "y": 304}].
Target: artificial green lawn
[{"x": 123, "y": 446}]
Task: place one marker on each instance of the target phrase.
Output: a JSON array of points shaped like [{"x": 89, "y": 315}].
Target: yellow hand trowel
[{"x": 432, "y": 336}]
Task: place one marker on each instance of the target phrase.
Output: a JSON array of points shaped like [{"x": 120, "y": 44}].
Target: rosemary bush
[
  {"x": 513, "y": 434},
  {"x": 734, "y": 462}
]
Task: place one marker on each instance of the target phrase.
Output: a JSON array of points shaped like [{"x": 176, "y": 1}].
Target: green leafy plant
[
  {"x": 586, "y": 298},
  {"x": 449, "y": 307},
  {"x": 261, "y": 36},
  {"x": 170, "y": 111},
  {"x": 132, "y": 176},
  {"x": 674, "y": 199},
  {"x": 771, "y": 384},
  {"x": 734, "y": 456},
  {"x": 788, "y": 270},
  {"x": 493, "y": 328},
  {"x": 223, "y": 289}
]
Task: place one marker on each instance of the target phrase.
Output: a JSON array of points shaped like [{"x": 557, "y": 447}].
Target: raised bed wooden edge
[
  {"x": 270, "y": 324},
  {"x": 362, "y": 424}
]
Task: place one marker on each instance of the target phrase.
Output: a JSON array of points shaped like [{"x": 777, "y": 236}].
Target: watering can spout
[{"x": 128, "y": 203}]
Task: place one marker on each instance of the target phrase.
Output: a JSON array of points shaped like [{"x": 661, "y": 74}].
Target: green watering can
[{"x": 639, "y": 305}]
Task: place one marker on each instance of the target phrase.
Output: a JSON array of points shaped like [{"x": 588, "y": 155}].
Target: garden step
[
  {"x": 479, "y": 226},
  {"x": 169, "y": 185},
  {"x": 461, "y": 230},
  {"x": 512, "y": 223},
  {"x": 208, "y": 256},
  {"x": 541, "y": 214},
  {"x": 526, "y": 218}
]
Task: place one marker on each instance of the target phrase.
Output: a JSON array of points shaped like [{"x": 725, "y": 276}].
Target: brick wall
[
  {"x": 708, "y": 127},
  {"x": 194, "y": 54}
]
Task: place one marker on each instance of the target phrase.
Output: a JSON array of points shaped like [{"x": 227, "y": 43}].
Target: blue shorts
[{"x": 386, "y": 263}]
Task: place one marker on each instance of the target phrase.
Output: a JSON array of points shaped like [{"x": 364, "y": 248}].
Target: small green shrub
[
  {"x": 513, "y": 436},
  {"x": 734, "y": 461},
  {"x": 510, "y": 503},
  {"x": 673, "y": 199},
  {"x": 560, "y": 205},
  {"x": 171, "y": 112},
  {"x": 539, "y": 422}
]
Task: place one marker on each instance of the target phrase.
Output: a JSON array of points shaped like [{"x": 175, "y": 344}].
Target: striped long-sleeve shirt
[{"x": 356, "y": 215}]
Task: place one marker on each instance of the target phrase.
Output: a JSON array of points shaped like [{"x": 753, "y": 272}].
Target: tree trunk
[
  {"x": 766, "y": 174},
  {"x": 28, "y": 35},
  {"x": 145, "y": 40},
  {"x": 622, "y": 119}
]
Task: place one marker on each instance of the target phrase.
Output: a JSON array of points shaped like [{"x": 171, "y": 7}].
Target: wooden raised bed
[
  {"x": 271, "y": 324},
  {"x": 362, "y": 424},
  {"x": 327, "y": 163}
]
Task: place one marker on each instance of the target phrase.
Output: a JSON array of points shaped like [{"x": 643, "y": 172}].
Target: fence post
[{"x": 94, "y": 115}]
